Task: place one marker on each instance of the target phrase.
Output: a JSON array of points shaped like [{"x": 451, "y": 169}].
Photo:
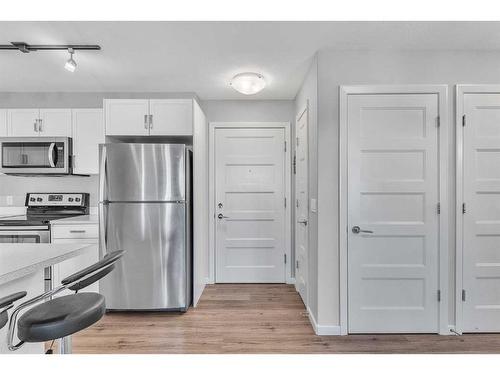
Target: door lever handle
[
  {"x": 356, "y": 230},
  {"x": 220, "y": 216},
  {"x": 302, "y": 222}
]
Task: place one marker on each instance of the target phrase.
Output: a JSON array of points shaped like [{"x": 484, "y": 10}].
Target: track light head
[{"x": 70, "y": 65}]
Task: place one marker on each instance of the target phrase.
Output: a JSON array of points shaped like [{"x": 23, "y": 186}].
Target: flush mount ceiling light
[
  {"x": 70, "y": 65},
  {"x": 248, "y": 83}
]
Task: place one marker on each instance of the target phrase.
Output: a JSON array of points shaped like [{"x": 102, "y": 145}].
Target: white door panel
[
  {"x": 481, "y": 237},
  {"x": 171, "y": 116},
  {"x": 55, "y": 122},
  {"x": 126, "y": 116},
  {"x": 88, "y": 133},
  {"x": 249, "y": 175},
  {"x": 301, "y": 206},
  {"x": 393, "y": 192},
  {"x": 23, "y": 122}
]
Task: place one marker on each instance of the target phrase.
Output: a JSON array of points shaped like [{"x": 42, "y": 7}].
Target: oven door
[
  {"x": 35, "y": 155},
  {"x": 21, "y": 235}
]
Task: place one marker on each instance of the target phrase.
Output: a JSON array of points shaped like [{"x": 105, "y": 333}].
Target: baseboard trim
[
  {"x": 291, "y": 281},
  {"x": 322, "y": 330}
]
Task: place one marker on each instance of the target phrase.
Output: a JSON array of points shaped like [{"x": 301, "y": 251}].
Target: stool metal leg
[{"x": 65, "y": 345}]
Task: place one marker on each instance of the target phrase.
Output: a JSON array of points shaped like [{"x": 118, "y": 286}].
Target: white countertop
[
  {"x": 19, "y": 260},
  {"x": 83, "y": 219}
]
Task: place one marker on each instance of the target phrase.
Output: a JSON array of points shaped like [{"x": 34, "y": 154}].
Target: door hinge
[
  {"x": 439, "y": 208},
  {"x": 463, "y": 208},
  {"x": 463, "y": 295},
  {"x": 285, "y": 202},
  {"x": 297, "y": 264},
  {"x": 463, "y": 120},
  {"x": 297, "y": 203},
  {"x": 297, "y": 141},
  {"x": 439, "y": 295},
  {"x": 294, "y": 164},
  {"x": 438, "y": 123},
  {"x": 285, "y": 258},
  {"x": 285, "y": 146}
]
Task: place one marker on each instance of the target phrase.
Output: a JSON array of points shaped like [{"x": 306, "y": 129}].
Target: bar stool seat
[{"x": 61, "y": 317}]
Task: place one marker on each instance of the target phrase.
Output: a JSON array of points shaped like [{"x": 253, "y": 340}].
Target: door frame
[
  {"x": 460, "y": 91},
  {"x": 211, "y": 190},
  {"x": 294, "y": 216},
  {"x": 442, "y": 92}
]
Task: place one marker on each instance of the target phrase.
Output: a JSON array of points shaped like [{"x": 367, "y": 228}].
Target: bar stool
[{"x": 60, "y": 317}]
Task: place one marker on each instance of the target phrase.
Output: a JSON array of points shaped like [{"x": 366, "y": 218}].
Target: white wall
[
  {"x": 380, "y": 67},
  {"x": 200, "y": 202},
  {"x": 308, "y": 95},
  {"x": 248, "y": 110}
]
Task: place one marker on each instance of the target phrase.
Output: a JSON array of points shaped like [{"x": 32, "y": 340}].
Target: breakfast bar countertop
[{"x": 19, "y": 260}]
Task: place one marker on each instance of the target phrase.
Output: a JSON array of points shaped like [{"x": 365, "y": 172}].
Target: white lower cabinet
[{"x": 75, "y": 234}]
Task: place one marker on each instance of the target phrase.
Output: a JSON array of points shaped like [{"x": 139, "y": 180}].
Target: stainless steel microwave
[{"x": 35, "y": 155}]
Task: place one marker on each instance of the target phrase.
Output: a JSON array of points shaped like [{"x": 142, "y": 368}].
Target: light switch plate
[{"x": 314, "y": 205}]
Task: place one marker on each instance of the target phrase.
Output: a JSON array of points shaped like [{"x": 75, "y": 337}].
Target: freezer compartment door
[
  {"x": 142, "y": 172},
  {"x": 153, "y": 273}
]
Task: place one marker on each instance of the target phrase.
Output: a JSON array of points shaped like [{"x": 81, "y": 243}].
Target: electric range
[{"x": 41, "y": 208}]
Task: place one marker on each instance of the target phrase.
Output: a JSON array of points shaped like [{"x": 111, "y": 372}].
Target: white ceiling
[{"x": 201, "y": 57}]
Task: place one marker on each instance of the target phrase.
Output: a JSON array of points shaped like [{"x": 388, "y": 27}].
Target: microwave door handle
[{"x": 51, "y": 155}]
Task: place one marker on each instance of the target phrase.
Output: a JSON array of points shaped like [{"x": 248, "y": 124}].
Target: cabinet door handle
[
  {"x": 151, "y": 121},
  {"x": 40, "y": 129},
  {"x": 35, "y": 127},
  {"x": 146, "y": 122},
  {"x": 77, "y": 231}
]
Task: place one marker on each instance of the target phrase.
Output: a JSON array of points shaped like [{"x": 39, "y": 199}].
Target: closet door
[{"x": 481, "y": 220}]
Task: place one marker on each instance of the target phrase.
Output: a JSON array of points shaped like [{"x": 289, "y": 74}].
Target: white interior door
[
  {"x": 481, "y": 237},
  {"x": 250, "y": 212},
  {"x": 301, "y": 205},
  {"x": 393, "y": 226}
]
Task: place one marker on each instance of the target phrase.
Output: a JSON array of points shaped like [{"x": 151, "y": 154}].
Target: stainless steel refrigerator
[{"x": 145, "y": 209}]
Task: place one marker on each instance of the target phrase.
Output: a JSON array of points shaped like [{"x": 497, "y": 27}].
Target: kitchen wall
[
  {"x": 248, "y": 110},
  {"x": 308, "y": 96},
  {"x": 220, "y": 110},
  {"x": 348, "y": 67}
]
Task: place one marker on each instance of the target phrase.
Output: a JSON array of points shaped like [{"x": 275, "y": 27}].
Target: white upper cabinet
[
  {"x": 88, "y": 133},
  {"x": 34, "y": 122},
  {"x": 148, "y": 117},
  {"x": 23, "y": 122},
  {"x": 3, "y": 122},
  {"x": 171, "y": 116},
  {"x": 126, "y": 116},
  {"x": 55, "y": 122}
]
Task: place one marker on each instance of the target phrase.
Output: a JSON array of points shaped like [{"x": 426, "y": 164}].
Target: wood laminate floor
[{"x": 243, "y": 318}]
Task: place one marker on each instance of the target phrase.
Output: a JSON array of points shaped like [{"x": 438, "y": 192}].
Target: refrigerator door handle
[
  {"x": 102, "y": 230},
  {"x": 102, "y": 174}
]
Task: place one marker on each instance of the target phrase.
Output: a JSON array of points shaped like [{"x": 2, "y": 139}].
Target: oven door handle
[{"x": 51, "y": 155}]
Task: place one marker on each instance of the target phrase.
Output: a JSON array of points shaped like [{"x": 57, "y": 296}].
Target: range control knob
[
  {"x": 39, "y": 199},
  {"x": 77, "y": 199},
  {"x": 70, "y": 199},
  {"x": 32, "y": 199}
]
